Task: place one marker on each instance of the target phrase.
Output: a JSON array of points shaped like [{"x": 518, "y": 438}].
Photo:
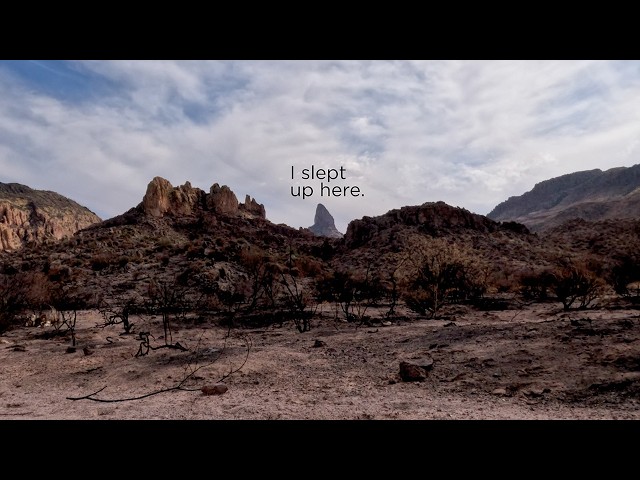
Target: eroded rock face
[
  {"x": 35, "y": 216},
  {"x": 324, "y": 224},
  {"x": 222, "y": 200},
  {"x": 156, "y": 200},
  {"x": 253, "y": 208},
  {"x": 163, "y": 199}
]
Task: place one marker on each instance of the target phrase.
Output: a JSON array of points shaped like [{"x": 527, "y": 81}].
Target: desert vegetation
[{"x": 290, "y": 278}]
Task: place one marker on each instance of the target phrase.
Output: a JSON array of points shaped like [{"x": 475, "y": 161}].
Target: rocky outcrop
[
  {"x": 156, "y": 200},
  {"x": 431, "y": 218},
  {"x": 323, "y": 224},
  {"x": 163, "y": 199},
  {"x": 590, "y": 195},
  {"x": 253, "y": 208},
  {"x": 222, "y": 200},
  {"x": 29, "y": 216}
]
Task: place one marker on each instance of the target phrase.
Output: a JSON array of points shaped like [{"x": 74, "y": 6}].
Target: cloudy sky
[{"x": 470, "y": 133}]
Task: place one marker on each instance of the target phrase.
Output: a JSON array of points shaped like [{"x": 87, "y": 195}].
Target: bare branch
[{"x": 178, "y": 387}]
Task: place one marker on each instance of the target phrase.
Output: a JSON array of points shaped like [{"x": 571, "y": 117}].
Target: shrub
[
  {"x": 537, "y": 286},
  {"x": 573, "y": 282},
  {"x": 436, "y": 272}
]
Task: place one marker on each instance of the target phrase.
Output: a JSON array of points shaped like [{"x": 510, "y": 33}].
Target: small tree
[
  {"x": 573, "y": 282},
  {"x": 169, "y": 300},
  {"x": 537, "y": 286},
  {"x": 437, "y": 272},
  {"x": 297, "y": 293},
  {"x": 117, "y": 312}
]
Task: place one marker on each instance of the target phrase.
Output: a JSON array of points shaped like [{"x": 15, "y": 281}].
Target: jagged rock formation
[
  {"x": 323, "y": 224},
  {"x": 163, "y": 199},
  {"x": 222, "y": 200},
  {"x": 253, "y": 208},
  {"x": 36, "y": 216},
  {"x": 590, "y": 195}
]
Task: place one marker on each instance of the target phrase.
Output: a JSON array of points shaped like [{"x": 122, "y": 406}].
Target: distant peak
[{"x": 324, "y": 224}]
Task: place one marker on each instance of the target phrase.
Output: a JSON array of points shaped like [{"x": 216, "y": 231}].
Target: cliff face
[
  {"x": 590, "y": 195},
  {"x": 36, "y": 216},
  {"x": 163, "y": 199}
]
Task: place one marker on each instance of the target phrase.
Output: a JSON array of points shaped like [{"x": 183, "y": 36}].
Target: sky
[{"x": 471, "y": 133}]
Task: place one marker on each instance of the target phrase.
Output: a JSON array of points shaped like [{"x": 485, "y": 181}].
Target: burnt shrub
[
  {"x": 437, "y": 272},
  {"x": 574, "y": 284},
  {"x": 624, "y": 272},
  {"x": 537, "y": 286}
]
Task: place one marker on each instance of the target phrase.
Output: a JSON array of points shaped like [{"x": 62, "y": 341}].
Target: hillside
[
  {"x": 591, "y": 195},
  {"x": 192, "y": 305},
  {"x": 29, "y": 216}
]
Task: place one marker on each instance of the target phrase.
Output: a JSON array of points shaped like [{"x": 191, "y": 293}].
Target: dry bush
[
  {"x": 14, "y": 290},
  {"x": 262, "y": 286},
  {"x": 574, "y": 282},
  {"x": 102, "y": 261},
  {"x": 623, "y": 273},
  {"x": 537, "y": 286},
  {"x": 435, "y": 272},
  {"x": 352, "y": 292}
]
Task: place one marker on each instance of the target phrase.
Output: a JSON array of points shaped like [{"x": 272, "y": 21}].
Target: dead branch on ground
[{"x": 180, "y": 386}]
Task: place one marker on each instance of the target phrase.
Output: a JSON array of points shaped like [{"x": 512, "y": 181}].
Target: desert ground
[{"x": 531, "y": 362}]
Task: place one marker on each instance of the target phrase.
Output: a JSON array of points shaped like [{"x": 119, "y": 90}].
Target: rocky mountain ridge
[
  {"x": 29, "y": 216},
  {"x": 162, "y": 199},
  {"x": 591, "y": 195}
]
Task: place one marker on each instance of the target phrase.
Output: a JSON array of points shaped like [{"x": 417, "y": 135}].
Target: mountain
[
  {"x": 591, "y": 195},
  {"x": 29, "y": 216},
  {"x": 507, "y": 247},
  {"x": 209, "y": 246},
  {"x": 207, "y": 240},
  {"x": 324, "y": 224}
]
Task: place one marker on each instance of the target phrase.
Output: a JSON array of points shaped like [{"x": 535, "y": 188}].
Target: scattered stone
[
  {"x": 87, "y": 351},
  {"x": 217, "y": 389},
  {"x": 535, "y": 392},
  {"x": 386, "y": 323},
  {"x": 413, "y": 371},
  {"x": 581, "y": 323},
  {"x": 450, "y": 324},
  {"x": 19, "y": 348},
  {"x": 500, "y": 391},
  {"x": 425, "y": 362},
  {"x": 319, "y": 343}
]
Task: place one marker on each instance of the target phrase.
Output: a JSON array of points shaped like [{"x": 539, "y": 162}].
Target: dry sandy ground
[{"x": 536, "y": 363}]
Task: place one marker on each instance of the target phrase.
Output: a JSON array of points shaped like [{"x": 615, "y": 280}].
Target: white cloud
[{"x": 471, "y": 133}]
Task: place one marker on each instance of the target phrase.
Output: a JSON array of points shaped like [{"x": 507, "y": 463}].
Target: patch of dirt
[{"x": 535, "y": 363}]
